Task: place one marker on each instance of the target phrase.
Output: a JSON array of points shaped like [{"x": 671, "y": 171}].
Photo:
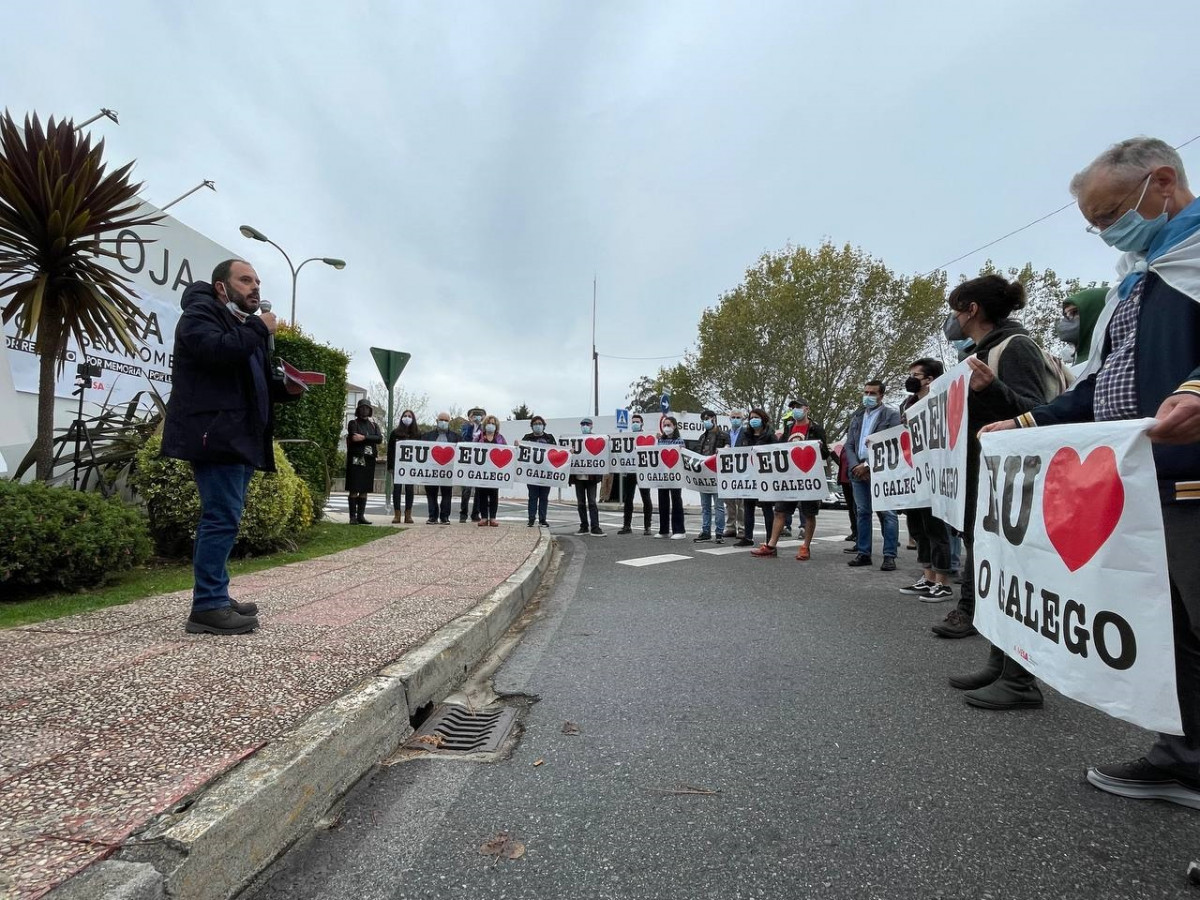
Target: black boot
[
  {"x": 981, "y": 677},
  {"x": 362, "y": 511},
  {"x": 1016, "y": 688},
  {"x": 352, "y": 502}
]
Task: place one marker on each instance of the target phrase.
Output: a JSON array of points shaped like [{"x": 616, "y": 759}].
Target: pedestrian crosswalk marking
[{"x": 652, "y": 560}]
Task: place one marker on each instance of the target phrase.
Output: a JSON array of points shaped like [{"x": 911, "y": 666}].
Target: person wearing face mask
[
  {"x": 1145, "y": 362},
  {"x": 539, "y": 494},
  {"x": 758, "y": 431},
  {"x": 472, "y": 432},
  {"x": 874, "y": 415},
  {"x": 362, "y": 446},
  {"x": 735, "y": 510},
  {"x": 670, "y": 500},
  {"x": 629, "y": 486},
  {"x": 439, "y": 495},
  {"x": 711, "y": 440},
  {"x": 1080, "y": 312},
  {"x": 586, "y": 487},
  {"x": 406, "y": 429},
  {"x": 489, "y": 498},
  {"x": 789, "y": 421},
  {"x": 220, "y": 418}
]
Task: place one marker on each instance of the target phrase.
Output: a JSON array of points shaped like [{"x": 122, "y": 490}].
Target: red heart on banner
[
  {"x": 1081, "y": 503},
  {"x": 595, "y": 446},
  {"x": 906, "y": 446},
  {"x": 442, "y": 454},
  {"x": 557, "y": 458},
  {"x": 804, "y": 457},
  {"x": 955, "y": 405},
  {"x": 500, "y": 458},
  {"x": 711, "y": 463},
  {"x": 646, "y": 440},
  {"x": 670, "y": 457}
]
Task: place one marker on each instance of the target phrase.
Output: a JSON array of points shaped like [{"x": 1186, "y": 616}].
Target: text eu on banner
[
  {"x": 589, "y": 453},
  {"x": 772, "y": 472},
  {"x": 424, "y": 462},
  {"x": 1071, "y": 566},
  {"x": 897, "y": 472},
  {"x": 700, "y": 472},
  {"x": 623, "y": 448},
  {"x": 938, "y": 425},
  {"x": 660, "y": 467},
  {"x": 485, "y": 465},
  {"x": 542, "y": 464}
]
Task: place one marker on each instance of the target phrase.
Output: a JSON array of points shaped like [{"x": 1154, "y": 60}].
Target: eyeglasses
[{"x": 1106, "y": 221}]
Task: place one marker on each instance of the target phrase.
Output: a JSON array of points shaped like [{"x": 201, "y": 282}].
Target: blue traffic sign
[
  {"x": 622, "y": 419},
  {"x": 665, "y": 402}
]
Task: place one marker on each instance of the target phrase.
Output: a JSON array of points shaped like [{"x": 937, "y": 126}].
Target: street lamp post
[{"x": 255, "y": 234}]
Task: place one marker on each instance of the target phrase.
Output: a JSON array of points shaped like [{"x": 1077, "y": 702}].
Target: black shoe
[
  {"x": 860, "y": 560},
  {"x": 431, "y": 521},
  {"x": 849, "y": 549},
  {"x": 243, "y": 609},
  {"x": 530, "y": 525},
  {"x": 957, "y": 624},
  {"x": 889, "y": 564},
  {"x": 787, "y": 532},
  {"x": 702, "y": 537},
  {"x": 626, "y": 530},
  {"x": 597, "y": 531},
  {"x": 743, "y": 542},
  {"x": 583, "y": 529},
  {"x": 1142, "y": 780},
  {"x": 222, "y": 620},
  {"x": 444, "y": 522},
  {"x": 462, "y": 519},
  {"x": 475, "y": 517},
  {"x": 544, "y": 523},
  {"x": 719, "y": 539},
  {"x": 731, "y": 534},
  {"x": 852, "y": 538}
]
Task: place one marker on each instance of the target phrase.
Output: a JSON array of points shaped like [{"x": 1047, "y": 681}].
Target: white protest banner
[
  {"x": 424, "y": 462},
  {"x": 589, "y": 453},
  {"x": 660, "y": 467},
  {"x": 938, "y": 425},
  {"x": 542, "y": 464},
  {"x": 736, "y": 473},
  {"x": 484, "y": 465},
  {"x": 623, "y": 449},
  {"x": 161, "y": 260},
  {"x": 700, "y": 472},
  {"x": 1071, "y": 566},
  {"x": 791, "y": 471},
  {"x": 897, "y": 482}
]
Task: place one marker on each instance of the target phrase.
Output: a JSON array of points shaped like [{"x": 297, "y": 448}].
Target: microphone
[{"x": 265, "y": 306}]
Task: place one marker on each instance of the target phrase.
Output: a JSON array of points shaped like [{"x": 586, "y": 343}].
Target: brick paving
[{"x": 110, "y": 717}]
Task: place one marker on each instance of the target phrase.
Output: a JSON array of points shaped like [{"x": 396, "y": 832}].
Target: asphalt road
[{"x": 810, "y": 699}]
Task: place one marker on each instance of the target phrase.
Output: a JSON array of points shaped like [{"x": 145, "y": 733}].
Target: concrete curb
[{"x": 214, "y": 846}]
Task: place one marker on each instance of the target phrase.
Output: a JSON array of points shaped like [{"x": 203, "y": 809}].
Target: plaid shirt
[{"x": 1116, "y": 382}]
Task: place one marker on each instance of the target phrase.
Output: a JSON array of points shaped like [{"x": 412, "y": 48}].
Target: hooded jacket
[
  {"x": 221, "y": 408},
  {"x": 1090, "y": 303}
]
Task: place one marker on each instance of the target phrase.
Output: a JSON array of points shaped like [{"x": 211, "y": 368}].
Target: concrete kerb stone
[{"x": 215, "y": 847}]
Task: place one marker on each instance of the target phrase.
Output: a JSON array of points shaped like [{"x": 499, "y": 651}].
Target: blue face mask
[
  {"x": 489, "y": 428},
  {"x": 538, "y": 429},
  {"x": 637, "y": 426},
  {"x": 585, "y": 429},
  {"x": 756, "y": 422},
  {"x": 478, "y": 419},
  {"x": 443, "y": 424},
  {"x": 964, "y": 345},
  {"x": 708, "y": 424},
  {"x": 799, "y": 415},
  {"x": 735, "y": 422},
  {"x": 870, "y": 401},
  {"x": 1133, "y": 232}
]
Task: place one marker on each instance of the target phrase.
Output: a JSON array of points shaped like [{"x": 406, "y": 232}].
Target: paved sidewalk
[{"x": 111, "y": 717}]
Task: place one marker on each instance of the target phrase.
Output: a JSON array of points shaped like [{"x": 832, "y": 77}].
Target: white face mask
[{"x": 406, "y": 420}]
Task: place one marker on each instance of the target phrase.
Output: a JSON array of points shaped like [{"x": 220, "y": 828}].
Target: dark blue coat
[{"x": 216, "y": 410}]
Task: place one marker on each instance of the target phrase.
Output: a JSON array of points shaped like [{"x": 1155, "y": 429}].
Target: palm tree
[{"x": 56, "y": 201}]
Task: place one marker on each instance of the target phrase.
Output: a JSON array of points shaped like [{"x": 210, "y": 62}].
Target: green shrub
[
  {"x": 73, "y": 539},
  {"x": 278, "y": 508},
  {"x": 318, "y": 416}
]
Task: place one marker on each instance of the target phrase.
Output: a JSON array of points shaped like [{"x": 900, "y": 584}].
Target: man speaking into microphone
[{"x": 220, "y": 418}]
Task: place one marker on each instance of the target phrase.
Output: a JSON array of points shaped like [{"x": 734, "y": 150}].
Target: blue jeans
[
  {"x": 222, "y": 488},
  {"x": 707, "y": 501},
  {"x": 889, "y": 521},
  {"x": 539, "y": 502}
]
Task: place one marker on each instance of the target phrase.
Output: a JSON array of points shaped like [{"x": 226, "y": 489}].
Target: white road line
[{"x": 652, "y": 560}]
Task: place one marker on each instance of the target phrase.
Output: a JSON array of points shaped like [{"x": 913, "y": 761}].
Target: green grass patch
[{"x": 166, "y": 576}]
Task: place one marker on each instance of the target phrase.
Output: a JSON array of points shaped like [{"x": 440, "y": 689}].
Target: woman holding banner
[
  {"x": 406, "y": 429},
  {"x": 539, "y": 494},
  {"x": 760, "y": 431},
  {"x": 489, "y": 498},
  {"x": 1010, "y": 374},
  {"x": 670, "y": 500}
]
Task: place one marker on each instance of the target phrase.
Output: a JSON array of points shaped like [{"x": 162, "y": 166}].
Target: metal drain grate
[{"x": 456, "y": 729}]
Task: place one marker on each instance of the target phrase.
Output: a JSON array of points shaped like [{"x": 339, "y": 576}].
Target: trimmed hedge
[
  {"x": 318, "y": 416},
  {"x": 279, "y": 506},
  {"x": 73, "y": 539}
]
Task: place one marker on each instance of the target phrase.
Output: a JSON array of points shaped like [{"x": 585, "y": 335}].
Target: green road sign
[{"x": 391, "y": 363}]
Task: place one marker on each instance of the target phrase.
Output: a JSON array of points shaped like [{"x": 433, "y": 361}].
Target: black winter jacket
[{"x": 215, "y": 412}]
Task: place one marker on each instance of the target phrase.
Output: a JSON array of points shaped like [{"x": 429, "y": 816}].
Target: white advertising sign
[{"x": 542, "y": 464}]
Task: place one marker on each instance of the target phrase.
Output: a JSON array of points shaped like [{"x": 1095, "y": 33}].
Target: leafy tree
[
  {"x": 56, "y": 201},
  {"x": 522, "y": 412},
  {"x": 401, "y": 400},
  {"x": 645, "y": 394},
  {"x": 810, "y": 323}
]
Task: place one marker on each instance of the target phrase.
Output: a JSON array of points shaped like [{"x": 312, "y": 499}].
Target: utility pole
[{"x": 595, "y": 356}]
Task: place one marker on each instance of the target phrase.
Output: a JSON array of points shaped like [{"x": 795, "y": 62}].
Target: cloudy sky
[{"x": 476, "y": 163}]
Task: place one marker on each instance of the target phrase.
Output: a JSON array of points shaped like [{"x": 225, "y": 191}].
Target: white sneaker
[
  {"x": 660, "y": 536},
  {"x": 678, "y": 537}
]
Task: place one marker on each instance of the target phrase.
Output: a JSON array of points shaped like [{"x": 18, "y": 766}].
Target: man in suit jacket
[{"x": 875, "y": 415}]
